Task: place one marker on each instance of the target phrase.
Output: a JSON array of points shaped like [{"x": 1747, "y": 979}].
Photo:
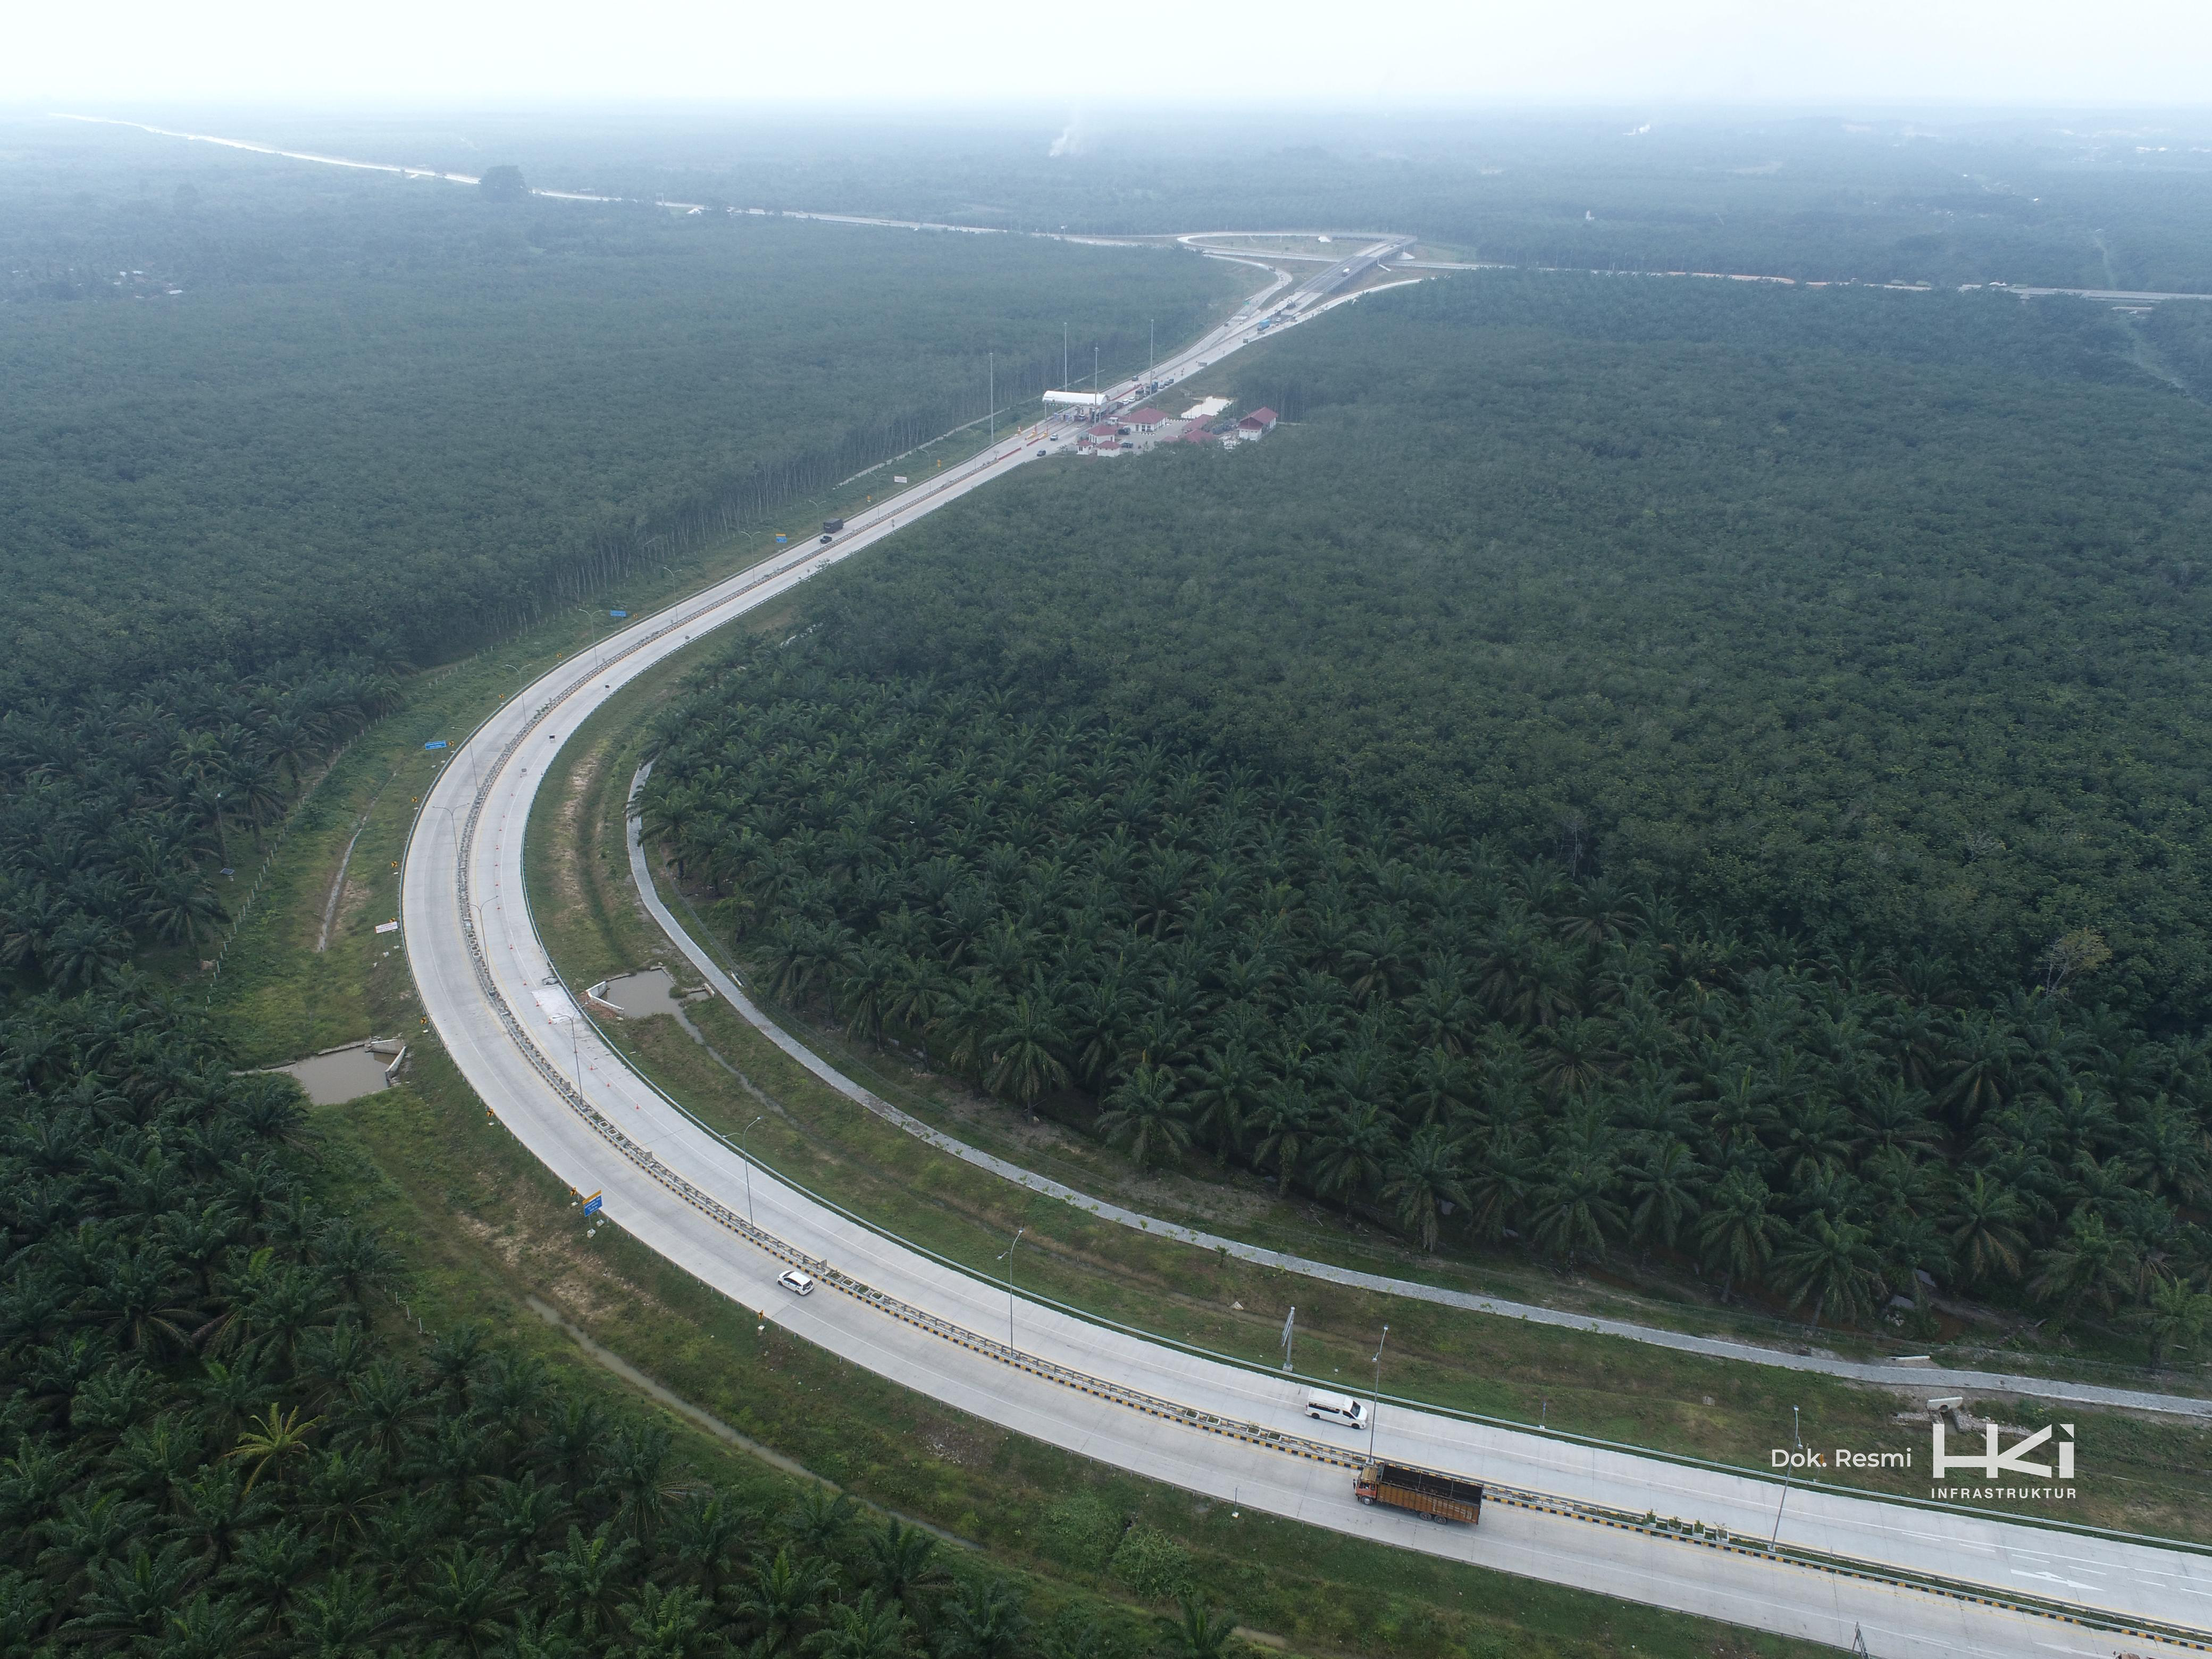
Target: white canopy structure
[{"x": 1080, "y": 399}]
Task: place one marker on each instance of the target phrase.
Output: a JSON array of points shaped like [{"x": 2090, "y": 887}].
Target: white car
[{"x": 797, "y": 1282}]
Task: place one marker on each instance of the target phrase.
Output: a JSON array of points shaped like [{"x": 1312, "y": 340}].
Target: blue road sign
[
  {"x": 438, "y": 743},
  {"x": 617, "y": 614},
  {"x": 780, "y": 540},
  {"x": 591, "y": 1205}
]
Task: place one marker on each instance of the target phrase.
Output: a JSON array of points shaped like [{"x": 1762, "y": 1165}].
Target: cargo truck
[
  {"x": 1442, "y": 1498},
  {"x": 833, "y": 525}
]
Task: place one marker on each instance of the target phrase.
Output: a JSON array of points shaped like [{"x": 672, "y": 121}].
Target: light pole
[
  {"x": 744, "y": 1135},
  {"x": 1019, "y": 1231},
  {"x": 1788, "y": 1476},
  {"x": 1374, "y": 1406}
]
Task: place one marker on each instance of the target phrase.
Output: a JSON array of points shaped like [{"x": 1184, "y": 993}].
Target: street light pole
[
  {"x": 744, "y": 1135},
  {"x": 1787, "y": 1478},
  {"x": 1374, "y": 1406},
  {"x": 1019, "y": 1231}
]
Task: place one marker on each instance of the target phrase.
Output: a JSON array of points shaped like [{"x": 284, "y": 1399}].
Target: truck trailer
[{"x": 1442, "y": 1498}]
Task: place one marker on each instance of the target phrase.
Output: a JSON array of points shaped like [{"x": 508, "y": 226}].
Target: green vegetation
[
  {"x": 217, "y": 1445},
  {"x": 740, "y": 1083},
  {"x": 379, "y": 427},
  {"x": 1269, "y": 816},
  {"x": 224, "y": 1435},
  {"x": 1639, "y": 784}
]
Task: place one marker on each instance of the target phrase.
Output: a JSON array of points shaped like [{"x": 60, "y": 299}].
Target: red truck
[{"x": 1442, "y": 1498}]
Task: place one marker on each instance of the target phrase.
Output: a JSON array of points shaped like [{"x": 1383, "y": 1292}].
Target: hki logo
[
  {"x": 1994, "y": 1463},
  {"x": 1998, "y": 1465}
]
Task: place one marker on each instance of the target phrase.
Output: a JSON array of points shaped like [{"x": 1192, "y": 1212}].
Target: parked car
[{"x": 797, "y": 1282}]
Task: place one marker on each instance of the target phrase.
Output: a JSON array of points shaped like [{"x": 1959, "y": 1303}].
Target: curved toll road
[{"x": 1567, "y": 1511}]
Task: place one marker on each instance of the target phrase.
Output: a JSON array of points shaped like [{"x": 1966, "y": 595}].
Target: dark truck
[{"x": 1441, "y": 1498}]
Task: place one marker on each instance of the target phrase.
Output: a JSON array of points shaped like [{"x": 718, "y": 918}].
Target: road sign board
[
  {"x": 435, "y": 743},
  {"x": 591, "y": 1205},
  {"x": 618, "y": 614}
]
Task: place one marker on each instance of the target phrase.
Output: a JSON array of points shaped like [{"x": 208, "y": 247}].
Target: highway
[{"x": 1561, "y": 1512}]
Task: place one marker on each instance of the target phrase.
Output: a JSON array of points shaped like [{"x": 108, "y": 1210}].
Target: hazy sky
[{"x": 1097, "y": 56}]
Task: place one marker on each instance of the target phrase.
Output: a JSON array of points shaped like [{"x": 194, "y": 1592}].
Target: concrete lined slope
[{"x": 514, "y": 1036}]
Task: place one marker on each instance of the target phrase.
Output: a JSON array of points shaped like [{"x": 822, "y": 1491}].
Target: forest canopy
[
  {"x": 278, "y": 435},
  {"x": 218, "y": 1442},
  {"x": 1633, "y": 763}
]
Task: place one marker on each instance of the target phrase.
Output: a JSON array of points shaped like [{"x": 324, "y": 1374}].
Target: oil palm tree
[
  {"x": 1025, "y": 1051},
  {"x": 783, "y": 1595},
  {"x": 1146, "y": 1118},
  {"x": 1831, "y": 1265},
  {"x": 1423, "y": 1183},
  {"x": 1662, "y": 1188},
  {"x": 271, "y": 1439},
  {"x": 1983, "y": 1225},
  {"x": 1736, "y": 1235}
]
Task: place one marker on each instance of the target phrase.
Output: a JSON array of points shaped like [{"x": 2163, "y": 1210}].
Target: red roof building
[
  {"x": 1105, "y": 429},
  {"x": 1258, "y": 424},
  {"x": 1147, "y": 420}
]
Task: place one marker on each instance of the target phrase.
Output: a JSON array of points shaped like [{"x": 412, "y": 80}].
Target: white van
[{"x": 1337, "y": 1408}]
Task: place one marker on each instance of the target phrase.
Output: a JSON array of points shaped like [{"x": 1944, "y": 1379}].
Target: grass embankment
[
  {"x": 485, "y": 1228},
  {"x": 2151, "y": 1474}
]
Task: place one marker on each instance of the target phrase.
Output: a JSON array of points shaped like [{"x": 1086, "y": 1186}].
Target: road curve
[{"x": 494, "y": 998}]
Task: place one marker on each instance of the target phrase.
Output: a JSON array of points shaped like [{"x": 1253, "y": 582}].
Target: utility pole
[
  {"x": 1290, "y": 1330},
  {"x": 1063, "y": 353},
  {"x": 1151, "y": 348},
  {"x": 991, "y": 374}
]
